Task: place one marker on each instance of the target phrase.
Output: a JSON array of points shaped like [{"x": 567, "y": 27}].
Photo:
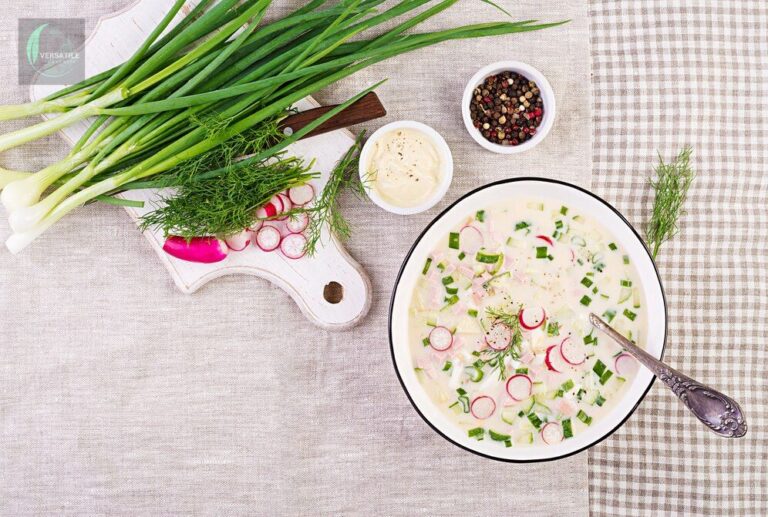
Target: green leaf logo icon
[{"x": 33, "y": 44}]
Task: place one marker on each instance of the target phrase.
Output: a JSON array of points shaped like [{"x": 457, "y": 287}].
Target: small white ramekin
[
  {"x": 445, "y": 158},
  {"x": 547, "y": 96}
]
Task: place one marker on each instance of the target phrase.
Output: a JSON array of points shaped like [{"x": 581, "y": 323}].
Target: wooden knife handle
[{"x": 368, "y": 108}]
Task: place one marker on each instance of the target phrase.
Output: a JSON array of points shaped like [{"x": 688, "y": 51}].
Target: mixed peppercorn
[{"x": 507, "y": 108}]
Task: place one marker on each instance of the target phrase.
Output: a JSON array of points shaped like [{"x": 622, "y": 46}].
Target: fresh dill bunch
[
  {"x": 326, "y": 211},
  {"x": 671, "y": 188},
  {"x": 496, "y": 358},
  {"x": 225, "y": 204}
]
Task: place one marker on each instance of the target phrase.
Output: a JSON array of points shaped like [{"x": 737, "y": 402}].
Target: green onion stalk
[{"x": 150, "y": 115}]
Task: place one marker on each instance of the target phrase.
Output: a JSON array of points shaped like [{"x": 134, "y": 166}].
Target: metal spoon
[{"x": 719, "y": 412}]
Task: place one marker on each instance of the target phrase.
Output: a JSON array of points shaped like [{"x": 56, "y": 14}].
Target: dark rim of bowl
[{"x": 408, "y": 257}]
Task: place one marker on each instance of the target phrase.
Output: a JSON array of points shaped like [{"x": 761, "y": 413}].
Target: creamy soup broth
[{"x": 499, "y": 331}]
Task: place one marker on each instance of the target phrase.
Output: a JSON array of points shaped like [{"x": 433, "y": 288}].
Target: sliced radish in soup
[
  {"x": 482, "y": 407},
  {"x": 519, "y": 387},
  {"x": 625, "y": 365},
  {"x": 441, "y": 339},
  {"x": 552, "y": 433},
  {"x": 573, "y": 352},
  {"x": 532, "y": 318},
  {"x": 470, "y": 239},
  {"x": 499, "y": 336}
]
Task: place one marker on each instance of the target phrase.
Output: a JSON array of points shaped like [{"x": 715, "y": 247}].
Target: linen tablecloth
[{"x": 120, "y": 395}]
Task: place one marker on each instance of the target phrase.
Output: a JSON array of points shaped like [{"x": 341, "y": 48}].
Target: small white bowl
[
  {"x": 445, "y": 157},
  {"x": 547, "y": 96}
]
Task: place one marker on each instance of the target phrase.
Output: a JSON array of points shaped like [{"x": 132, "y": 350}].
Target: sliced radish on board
[
  {"x": 205, "y": 250},
  {"x": 440, "y": 339},
  {"x": 302, "y": 194},
  {"x": 482, "y": 407},
  {"x": 297, "y": 223},
  {"x": 277, "y": 202},
  {"x": 498, "y": 336},
  {"x": 266, "y": 211},
  {"x": 546, "y": 239},
  {"x": 255, "y": 226},
  {"x": 268, "y": 238},
  {"x": 532, "y": 318},
  {"x": 294, "y": 246},
  {"x": 239, "y": 241},
  {"x": 287, "y": 206},
  {"x": 519, "y": 387},
  {"x": 470, "y": 239},
  {"x": 552, "y": 433},
  {"x": 572, "y": 352},
  {"x": 625, "y": 364}
]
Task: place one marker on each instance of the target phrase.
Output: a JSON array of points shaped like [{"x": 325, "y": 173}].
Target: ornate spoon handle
[{"x": 719, "y": 412}]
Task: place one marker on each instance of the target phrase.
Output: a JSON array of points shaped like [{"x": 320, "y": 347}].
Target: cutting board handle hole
[{"x": 333, "y": 292}]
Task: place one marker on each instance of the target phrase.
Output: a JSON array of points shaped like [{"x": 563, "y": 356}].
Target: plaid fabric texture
[{"x": 668, "y": 74}]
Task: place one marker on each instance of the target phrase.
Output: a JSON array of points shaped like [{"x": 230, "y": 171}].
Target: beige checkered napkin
[{"x": 667, "y": 74}]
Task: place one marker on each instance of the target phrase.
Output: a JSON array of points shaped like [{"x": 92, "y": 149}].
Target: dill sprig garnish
[
  {"x": 671, "y": 187},
  {"x": 496, "y": 359},
  {"x": 326, "y": 211}
]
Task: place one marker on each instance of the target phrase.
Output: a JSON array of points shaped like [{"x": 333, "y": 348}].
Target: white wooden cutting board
[{"x": 114, "y": 39}]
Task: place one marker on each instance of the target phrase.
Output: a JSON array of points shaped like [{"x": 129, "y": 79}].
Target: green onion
[
  {"x": 487, "y": 258},
  {"x": 499, "y": 437},
  {"x": 599, "y": 400},
  {"x": 425, "y": 341},
  {"x": 586, "y": 282},
  {"x": 542, "y": 252},
  {"x": 447, "y": 280},
  {"x": 581, "y": 415},
  {"x": 472, "y": 312},
  {"x": 522, "y": 225},
  {"x": 452, "y": 290},
  {"x": 613, "y": 246},
  {"x": 626, "y": 283},
  {"x": 629, "y": 314},
  {"x": 605, "y": 376},
  {"x": 567, "y": 428},
  {"x": 534, "y": 420},
  {"x": 585, "y": 300},
  {"x": 564, "y": 210},
  {"x": 599, "y": 368},
  {"x": 521, "y": 370},
  {"x": 462, "y": 255},
  {"x": 426, "y": 265},
  {"x": 476, "y": 433},
  {"x": 453, "y": 240},
  {"x": 447, "y": 366},
  {"x": 568, "y": 385},
  {"x": 480, "y": 215},
  {"x": 609, "y": 315},
  {"x": 626, "y": 259}
]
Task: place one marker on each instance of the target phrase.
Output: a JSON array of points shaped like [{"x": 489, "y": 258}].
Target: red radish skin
[
  {"x": 498, "y": 336},
  {"x": 268, "y": 238},
  {"x": 519, "y": 387},
  {"x": 625, "y": 364},
  {"x": 572, "y": 352},
  {"x": 277, "y": 202},
  {"x": 239, "y": 241},
  {"x": 532, "y": 318},
  {"x": 302, "y": 194},
  {"x": 552, "y": 433},
  {"x": 297, "y": 223},
  {"x": 294, "y": 246},
  {"x": 266, "y": 211},
  {"x": 482, "y": 407},
  {"x": 548, "y": 359},
  {"x": 287, "y": 206},
  {"x": 546, "y": 239},
  {"x": 440, "y": 339},
  {"x": 205, "y": 250},
  {"x": 470, "y": 239}
]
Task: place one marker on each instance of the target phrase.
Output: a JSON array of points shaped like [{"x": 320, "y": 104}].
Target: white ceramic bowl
[
  {"x": 442, "y": 149},
  {"x": 581, "y": 201},
  {"x": 547, "y": 96}
]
